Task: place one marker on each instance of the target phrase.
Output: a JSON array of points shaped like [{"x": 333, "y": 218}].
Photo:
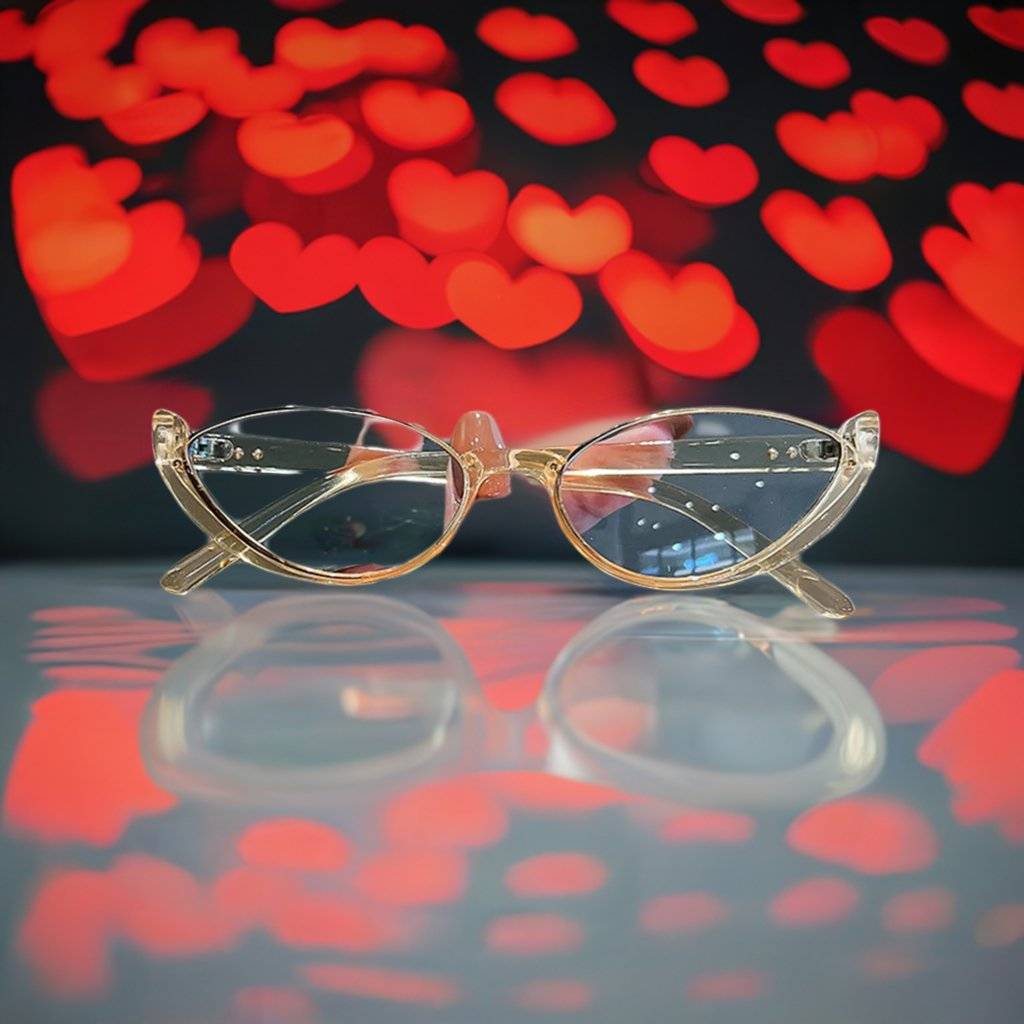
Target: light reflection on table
[{"x": 478, "y": 795}]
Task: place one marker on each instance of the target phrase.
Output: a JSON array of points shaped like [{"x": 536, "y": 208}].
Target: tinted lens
[
  {"x": 330, "y": 490},
  {"x": 684, "y": 495}
]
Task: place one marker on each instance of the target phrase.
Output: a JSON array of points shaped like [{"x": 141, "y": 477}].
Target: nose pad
[{"x": 477, "y": 432}]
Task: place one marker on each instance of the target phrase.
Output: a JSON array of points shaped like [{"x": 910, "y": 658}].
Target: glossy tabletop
[{"x": 509, "y": 794}]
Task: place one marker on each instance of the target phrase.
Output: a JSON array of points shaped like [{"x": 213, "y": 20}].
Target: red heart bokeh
[
  {"x": 519, "y": 35},
  {"x": 157, "y": 120},
  {"x": 717, "y": 176},
  {"x": 235, "y": 88},
  {"x": 320, "y": 54},
  {"x": 658, "y": 21},
  {"x": 559, "y": 111},
  {"x": 441, "y": 212},
  {"x": 412, "y": 117},
  {"x": 841, "y": 244},
  {"x": 93, "y": 88},
  {"x": 685, "y": 81},
  {"x": 403, "y": 286},
  {"x": 841, "y": 147},
  {"x": 1001, "y": 110},
  {"x": 180, "y": 56},
  {"x": 284, "y": 145},
  {"x": 272, "y": 262},
  {"x": 818, "y": 65},
  {"x": 535, "y": 307},
  {"x": 913, "y": 39},
  {"x": 767, "y": 12},
  {"x": 578, "y": 241},
  {"x": 1006, "y": 27}
]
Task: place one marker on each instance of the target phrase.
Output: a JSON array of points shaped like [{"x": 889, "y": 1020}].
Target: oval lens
[
  {"x": 689, "y": 494},
  {"x": 332, "y": 490}
]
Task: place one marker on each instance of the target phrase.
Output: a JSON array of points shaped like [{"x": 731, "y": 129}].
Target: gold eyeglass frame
[{"x": 228, "y": 542}]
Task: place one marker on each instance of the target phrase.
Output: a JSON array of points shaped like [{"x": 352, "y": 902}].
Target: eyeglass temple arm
[{"x": 213, "y": 557}]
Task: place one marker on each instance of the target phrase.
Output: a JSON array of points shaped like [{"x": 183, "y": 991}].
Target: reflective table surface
[{"x": 496, "y": 794}]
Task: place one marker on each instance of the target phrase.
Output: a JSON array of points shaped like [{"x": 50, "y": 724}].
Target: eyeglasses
[{"x": 677, "y": 500}]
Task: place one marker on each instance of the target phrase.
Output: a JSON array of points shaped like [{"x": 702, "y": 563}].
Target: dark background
[{"x": 910, "y": 513}]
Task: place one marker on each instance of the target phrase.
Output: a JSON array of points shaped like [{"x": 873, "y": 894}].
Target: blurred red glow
[
  {"x": 919, "y": 910},
  {"x": 271, "y": 260},
  {"x": 1001, "y": 925},
  {"x": 459, "y": 812},
  {"x": 662, "y": 21},
  {"x": 559, "y": 111},
  {"x": 277, "y": 1004},
  {"x": 1001, "y": 110},
  {"x": 283, "y": 145},
  {"x": 984, "y": 268},
  {"x": 535, "y": 307},
  {"x": 383, "y": 983},
  {"x": 209, "y": 311},
  {"x": 953, "y": 342},
  {"x": 77, "y": 774},
  {"x": 1006, "y": 26},
  {"x": 156, "y": 120},
  {"x": 96, "y": 431},
  {"x": 868, "y": 364},
  {"x": 682, "y": 913},
  {"x": 163, "y": 261},
  {"x": 874, "y": 835},
  {"x": 438, "y": 211},
  {"x": 533, "y": 935},
  {"x": 413, "y": 877},
  {"x": 181, "y": 56},
  {"x": 717, "y": 176},
  {"x": 727, "y": 986},
  {"x": 63, "y": 933},
  {"x": 913, "y": 39},
  {"x": 684, "y": 81},
  {"x": 516, "y": 34},
  {"x": 977, "y": 748},
  {"x": 427, "y": 377},
  {"x": 814, "y": 902},
  {"x": 699, "y": 826},
  {"x": 104, "y": 675},
  {"x": 293, "y": 843},
  {"x": 841, "y": 244},
  {"x": 541, "y": 793},
  {"x": 578, "y": 240},
  {"x": 554, "y": 995},
  {"x": 886, "y": 963},
  {"x": 92, "y": 87},
  {"x": 413, "y": 117},
  {"x": 924, "y": 686},
  {"x": 556, "y": 874},
  {"x": 817, "y": 65}
]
